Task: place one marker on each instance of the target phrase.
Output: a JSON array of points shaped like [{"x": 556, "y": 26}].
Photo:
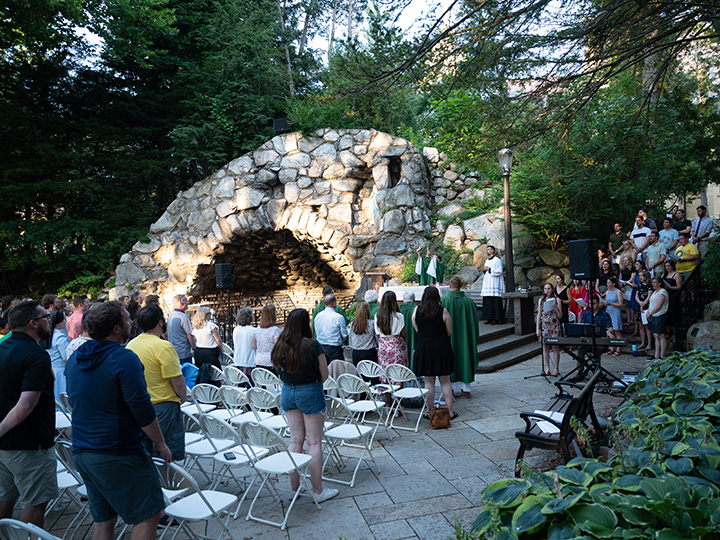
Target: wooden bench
[{"x": 580, "y": 407}]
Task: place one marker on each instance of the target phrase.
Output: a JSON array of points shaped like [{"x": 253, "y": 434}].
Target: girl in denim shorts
[{"x": 302, "y": 367}]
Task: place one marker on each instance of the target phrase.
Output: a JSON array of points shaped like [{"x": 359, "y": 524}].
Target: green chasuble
[
  {"x": 320, "y": 307},
  {"x": 374, "y": 307},
  {"x": 464, "y": 334},
  {"x": 426, "y": 279},
  {"x": 407, "y": 311}
]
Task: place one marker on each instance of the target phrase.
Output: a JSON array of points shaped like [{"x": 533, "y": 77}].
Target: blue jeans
[{"x": 309, "y": 398}]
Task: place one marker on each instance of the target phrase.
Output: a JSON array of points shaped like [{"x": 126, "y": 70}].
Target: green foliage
[
  {"x": 665, "y": 484},
  {"x": 447, "y": 254},
  {"x": 711, "y": 264},
  {"x": 88, "y": 284}
]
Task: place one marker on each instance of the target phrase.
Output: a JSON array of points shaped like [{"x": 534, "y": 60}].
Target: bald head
[{"x": 330, "y": 300}]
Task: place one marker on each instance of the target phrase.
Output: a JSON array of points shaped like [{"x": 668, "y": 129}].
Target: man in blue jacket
[{"x": 111, "y": 411}]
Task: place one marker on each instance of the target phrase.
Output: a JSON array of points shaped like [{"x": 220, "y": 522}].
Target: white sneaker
[{"x": 326, "y": 494}]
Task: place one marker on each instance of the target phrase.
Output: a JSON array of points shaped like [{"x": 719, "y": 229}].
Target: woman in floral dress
[
  {"x": 548, "y": 326},
  {"x": 390, "y": 329}
]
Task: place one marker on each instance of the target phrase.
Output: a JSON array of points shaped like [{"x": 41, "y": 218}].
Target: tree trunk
[
  {"x": 350, "y": 21},
  {"x": 309, "y": 12},
  {"x": 291, "y": 86},
  {"x": 333, "y": 18}
]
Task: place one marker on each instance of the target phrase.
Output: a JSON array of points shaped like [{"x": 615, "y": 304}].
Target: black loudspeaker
[
  {"x": 224, "y": 278},
  {"x": 583, "y": 259}
]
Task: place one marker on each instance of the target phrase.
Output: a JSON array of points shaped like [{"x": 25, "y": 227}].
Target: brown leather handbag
[{"x": 439, "y": 418}]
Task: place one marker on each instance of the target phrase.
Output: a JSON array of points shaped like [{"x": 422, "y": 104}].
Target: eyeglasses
[{"x": 46, "y": 316}]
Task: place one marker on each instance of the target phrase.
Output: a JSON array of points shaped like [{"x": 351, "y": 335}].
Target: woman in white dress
[{"x": 243, "y": 337}]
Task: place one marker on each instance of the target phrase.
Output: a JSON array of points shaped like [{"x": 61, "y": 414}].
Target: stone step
[
  {"x": 502, "y": 344},
  {"x": 489, "y": 332},
  {"x": 509, "y": 358}
]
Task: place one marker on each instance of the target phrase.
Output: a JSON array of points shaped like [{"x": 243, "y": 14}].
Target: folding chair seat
[
  {"x": 344, "y": 432},
  {"x": 262, "y": 401},
  {"x": 11, "y": 529},
  {"x": 232, "y": 376},
  {"x": 353, "y": 385},
  {"x": 221, "y": 430},
  {"x": 200, "y": 505},
  {"x": 264, "y": 378},
  {"x": 227, "y": 355},
  {"x": 282, "y": 461},
  {"x": 372, "y": 370},
  {"x": 397, "y": 373}
]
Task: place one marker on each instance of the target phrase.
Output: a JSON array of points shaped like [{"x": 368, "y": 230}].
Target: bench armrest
[{"x": 527, "y": 416}]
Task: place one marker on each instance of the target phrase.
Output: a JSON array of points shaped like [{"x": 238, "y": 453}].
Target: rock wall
[{"x": 297, "y": 212}]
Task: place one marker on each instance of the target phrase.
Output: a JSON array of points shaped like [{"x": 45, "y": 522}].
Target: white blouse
[{"x": 398, "y": 323}]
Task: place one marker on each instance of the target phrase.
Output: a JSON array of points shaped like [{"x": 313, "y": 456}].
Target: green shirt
[{"x": 616, "y": 240}]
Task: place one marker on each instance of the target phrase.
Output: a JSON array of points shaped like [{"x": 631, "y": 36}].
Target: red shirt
[{"x": 74, "y": 325}]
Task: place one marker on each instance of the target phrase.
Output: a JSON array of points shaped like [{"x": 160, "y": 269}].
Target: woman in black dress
[
  {"x": 563, "y": 293},
  {"x": 433, "y": 351}
]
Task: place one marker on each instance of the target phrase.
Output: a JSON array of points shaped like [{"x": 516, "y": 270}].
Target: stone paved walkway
[{"x": 429, "y": 480}]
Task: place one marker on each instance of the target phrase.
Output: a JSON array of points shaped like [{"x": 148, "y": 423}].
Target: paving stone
[
  {"x": 499, "y": 450},
  {"x": 389, "y": 467},
  {"x": 452, "y": 468},
  {"x": 313, "y": 523},
  {"x": 471, "y": 487},
  {"x": 432, "y": 527},
  {"x": 395, "y": 530},
  {"x": 462, "y": 450},
  {"x": 417, "y": 467},
  {"x": 372, "y": 500},
  {"x": 419, "y": 444},
  {"x": 465, "y": 517},
  {"x": 413, "y": 487},
  {"x": 412, "y": 509},
  {"x": 456, "y": 435}
]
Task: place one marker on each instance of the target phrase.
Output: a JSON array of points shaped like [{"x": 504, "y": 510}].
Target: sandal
[
  {"x": 454, "y": 415},
  {"x": 556, "y": 374},
  {"x": 463, "y": 393},
  {"x": 616, "y": 353}
]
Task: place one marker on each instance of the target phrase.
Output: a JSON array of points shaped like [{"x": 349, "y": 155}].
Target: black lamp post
[{"x": 505, "y": 156}]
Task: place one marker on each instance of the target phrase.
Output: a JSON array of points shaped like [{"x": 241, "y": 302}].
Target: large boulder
[
  {"x": 551, "y": 258},
  {"x": 704, "y": 334},
  {"x": 391, "y": 245},
  {"x": 467, "y": 274},
  {"x": 540, "y": 274},
  {"x": 712, "y": 311},
  {"x": 454, "y": 236}
]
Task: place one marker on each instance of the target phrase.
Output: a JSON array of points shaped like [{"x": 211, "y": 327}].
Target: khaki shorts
[{"x": 30, "y": 476}]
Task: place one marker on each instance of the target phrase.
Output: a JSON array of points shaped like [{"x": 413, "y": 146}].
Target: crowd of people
[
  {"x": 640, "y": 276},
  {"x": 122, "y": 366}
]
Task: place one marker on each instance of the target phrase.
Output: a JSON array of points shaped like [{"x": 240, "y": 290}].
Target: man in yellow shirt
[
  {"x": 163, "y": 377},
  {"x": 688, "y": 256}
]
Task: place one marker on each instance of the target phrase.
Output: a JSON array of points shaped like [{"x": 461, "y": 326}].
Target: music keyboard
[{"x": 601, "y": 342}]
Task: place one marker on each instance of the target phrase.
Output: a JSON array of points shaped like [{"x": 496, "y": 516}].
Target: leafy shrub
[
  {"x": 664, "y": 485},
  {"x": 89, "y": 284},
  {"x": 711, "y": 264},
  {"x": 447, "y": 254}
]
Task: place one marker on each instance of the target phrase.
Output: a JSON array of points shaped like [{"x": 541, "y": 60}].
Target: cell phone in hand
[{"x": 229, "y": 456}]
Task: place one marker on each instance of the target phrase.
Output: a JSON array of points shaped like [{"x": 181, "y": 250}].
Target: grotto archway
[{"x": 339, "y": 203}]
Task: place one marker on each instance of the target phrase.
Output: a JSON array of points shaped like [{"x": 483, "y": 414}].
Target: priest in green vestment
[
  {"x": 429, "y": 269},
  {"x": 371, "y": 297},
  {"x": 464, "y": 336},
  {"x": 321, "y": 306},
  {"x": 407, "y": 308}
]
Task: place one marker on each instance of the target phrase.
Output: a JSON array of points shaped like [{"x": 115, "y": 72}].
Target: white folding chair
[
  {"x": 281, "y": 462},
  {"x": 227, "y": 355},
  {"x": 262, "y": 401},
  {"x": 191, "y": 407},
  {"x": 265, "y": 378},
  {"x": 232, "y": 376},
  {"x": 372, "y": 370},
  {"x": 11, "y": 529},
  {"x": 397, "y": 373},
  {"x": 216, "y": 374},
  {"x": 201, "y": 505},
  {"x": 235, "y": 456},
  {"x": 353, "y": 385},
  {"x": 63, "y": 449},
  {"x": 193, "y": 431},
  {"x": 63, "y": 422},
  {"x": 346, "y": 431},
  {"x": 65, "y": 402},
  {"x": 235, "y": 398},
  {"x": 208, "y": 394},
  {"x": 206, "y": 447}
]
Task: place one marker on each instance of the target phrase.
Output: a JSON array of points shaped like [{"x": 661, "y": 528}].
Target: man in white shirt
[
  {"x": 701, "y": 229},
  {"x": 640, "y": 237},
  {"x": 655, "y": 256},
  {"x": 493, "y": 289},
  {"x": 331, "y": 329}
]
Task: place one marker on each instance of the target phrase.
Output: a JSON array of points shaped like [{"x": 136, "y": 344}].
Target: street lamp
[{"x": 505, "y": 157}]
